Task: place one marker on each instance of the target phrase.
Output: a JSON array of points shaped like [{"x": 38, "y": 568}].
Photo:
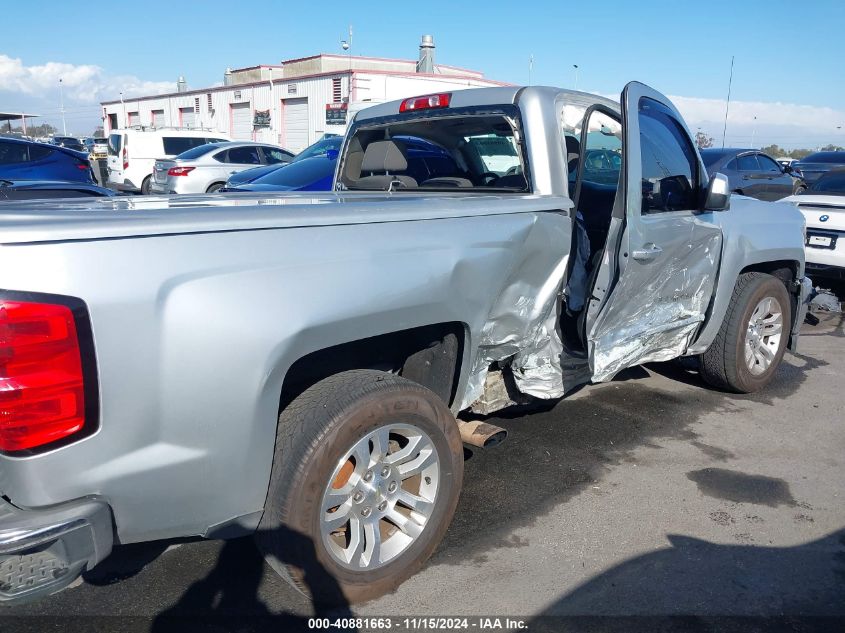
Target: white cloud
[
  {"x": 86, "y": 83},
  {"x": 786, "y": 124}
]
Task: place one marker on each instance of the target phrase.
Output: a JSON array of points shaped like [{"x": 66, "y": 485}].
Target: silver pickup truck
[{"x": 292, "y": 366}]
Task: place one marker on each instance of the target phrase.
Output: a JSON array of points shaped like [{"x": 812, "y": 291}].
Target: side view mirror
[
  {"x": 718, "y": 193},
  {"x": 787, "y": 169}
]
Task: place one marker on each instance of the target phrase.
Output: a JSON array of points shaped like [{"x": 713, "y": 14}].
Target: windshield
[
  {"x": 831, "y": 183},
  {"x": 320, "y": 148},
  {"x": 299, "y": 174}
]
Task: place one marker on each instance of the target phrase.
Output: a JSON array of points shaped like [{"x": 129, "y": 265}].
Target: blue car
[
  {"x": 320, "y": 148},
  {"x": 27, "y": 160},
  {"x": 315, "y": 172}
]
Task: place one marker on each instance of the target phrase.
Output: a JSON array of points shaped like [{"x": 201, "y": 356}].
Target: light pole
[
  {"x": 62, "y": 107},
  {"x": 575, "y": 66},
  {"x": 123, "y": 107},
  {"x": 753, "y": 132},
  {"x": 530, "y": 67}
]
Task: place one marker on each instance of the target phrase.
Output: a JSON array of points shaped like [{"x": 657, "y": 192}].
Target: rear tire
[
  {"x": 145, "y": 186},
  {"x": 749, "y": 347},
  {"x": 215, "y": 187},
  {"x": 315, "y": 467}
]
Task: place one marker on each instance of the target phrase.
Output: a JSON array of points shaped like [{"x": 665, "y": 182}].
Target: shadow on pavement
[
  {"x": 227, "y": 598},
  {"x": 695, "y": 585}
]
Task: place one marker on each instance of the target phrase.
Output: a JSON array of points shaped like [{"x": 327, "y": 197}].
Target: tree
[
  {"x": 800, "y": 153},
  {"x": 703, "y": 140},
  {"x": 773, "y": 150},
  {"x": 43, "y": 129},
  {"x": 832, "y": 148},
  {"x": 98, "y": 133}
]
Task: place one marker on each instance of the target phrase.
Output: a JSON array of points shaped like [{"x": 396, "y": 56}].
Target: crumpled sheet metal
[
  {"x": 824, "y": 301},
  {"x": 523, "y": 322},
  {"x": 631, "y": 331}
]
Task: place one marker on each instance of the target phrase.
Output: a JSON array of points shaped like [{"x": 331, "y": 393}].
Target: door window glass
[
  {"x": 767, "y": 164},
  {"x": 748, "y": 163},
  {"x": 11, "y": 153},
  {"x": 602, "y": 150},
  {"x": 669, "y": 163},
  {"x": 247, "y": 155},
  {"x": 275, "y": 155}
]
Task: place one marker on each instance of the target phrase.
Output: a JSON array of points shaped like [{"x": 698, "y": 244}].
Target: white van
[{"x": 133, "y": 153}]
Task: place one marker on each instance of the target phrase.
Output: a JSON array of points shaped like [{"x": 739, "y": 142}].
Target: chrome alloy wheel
[
  {"x": 380, "y": 497},
  {"x": 762, "y": 338}
]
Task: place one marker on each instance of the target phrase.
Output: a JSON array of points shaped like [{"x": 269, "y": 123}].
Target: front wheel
[
  {"x": 752, "y": 340},
  {"x": 365, "y": 480}
]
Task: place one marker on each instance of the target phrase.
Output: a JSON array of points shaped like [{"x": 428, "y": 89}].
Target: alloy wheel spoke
[
  {"x": 426, "y": 458},
  {"x": 407, "y": 524},
  {"x": 356, "y": 541},
  {"x": 407, "y": 451},
  {"x": 336, "y": 520},
  {"x": 415, "y": 502},
  {"x": 372, "y": 550}
]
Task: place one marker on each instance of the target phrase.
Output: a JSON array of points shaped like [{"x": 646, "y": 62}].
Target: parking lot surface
[{"x": 649, "y": 496}]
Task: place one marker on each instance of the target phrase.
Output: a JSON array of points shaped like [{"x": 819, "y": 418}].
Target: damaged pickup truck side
[{"x": 292, "y": 366}]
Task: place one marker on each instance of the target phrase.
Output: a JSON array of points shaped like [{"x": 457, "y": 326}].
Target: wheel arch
[{"x": 431, "y": 355}]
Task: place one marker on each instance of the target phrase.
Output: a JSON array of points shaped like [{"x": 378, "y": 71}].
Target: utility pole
[
  {"x": 123, "y": 107},
  {"x": 728, "y": 102},
  {"x": 753, "y": 132},
  {"x": 62, "y": 107}
]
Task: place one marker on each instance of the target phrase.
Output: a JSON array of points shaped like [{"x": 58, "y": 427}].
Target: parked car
[
  {"x": 753, "y": 173},
  {"x": 813, "y": 166},
  {"x": 132, "y": 153},
  {"x": 97, "y": 148},
  {"x": 40, "y": 189},
  {"x": 206, "y": 168},
  {"x": 823, "y": 206},
  {"x": 316, "y": 171},
  {"x": 28, "y": 160},
  {"x": 70, "y": 142},
  {"x": 329, "y": 143},
  {"x": 291, "y": 365}
]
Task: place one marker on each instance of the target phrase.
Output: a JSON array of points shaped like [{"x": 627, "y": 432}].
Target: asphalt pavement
[{"x": 649, "y": 503}]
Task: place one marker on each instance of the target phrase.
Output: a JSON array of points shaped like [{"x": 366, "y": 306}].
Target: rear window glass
[
  {"x": 200, "y": 150},
  {"x": 436, "y": 153},
  {"x": 710, "y": 158},
  {"x": 114, "y": 144},
  {"x": 38, "y": 152},
  {"x": 11, "y": 153},
  {"x": 175, "y": 145}
]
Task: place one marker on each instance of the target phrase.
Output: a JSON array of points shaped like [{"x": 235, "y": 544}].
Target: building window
[
  {"x": 208, "y": 98},
  {"x": 197, "y": 105},
  {"x": 336, "y": 90},
  {"x": 291, "y": 89},
  {"x": 237, "y": 94}
]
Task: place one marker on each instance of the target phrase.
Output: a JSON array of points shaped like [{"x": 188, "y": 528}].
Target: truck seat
[{"x": 388, "y": 156}]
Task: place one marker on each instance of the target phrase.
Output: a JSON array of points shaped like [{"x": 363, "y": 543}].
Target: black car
[
  {"x": 39, "y": 189},
  {"x": 753, "y": 173},
  {"x": 69, "y": 142},
  {"x": 815, "y": 165}
]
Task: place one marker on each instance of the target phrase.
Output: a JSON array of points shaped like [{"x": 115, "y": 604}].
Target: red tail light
[
  {"x": 125, "y": 159},
  {"x": 82, "y": 166},
  {"x": 180, "y": 171},
  {"x": 426, "y": 102},
  {"x": 42, "y": 383}
]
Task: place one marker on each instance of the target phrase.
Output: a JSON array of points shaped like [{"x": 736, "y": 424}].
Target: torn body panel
[
  {"x": 656, "y": 307},
  {"x": 521, "y": 330}
]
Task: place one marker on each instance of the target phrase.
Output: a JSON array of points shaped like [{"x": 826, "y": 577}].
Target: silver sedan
[{"x": 207, "y": 167}]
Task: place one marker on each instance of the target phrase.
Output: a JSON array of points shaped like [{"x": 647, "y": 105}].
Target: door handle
[{"x": 648, "y": 253}]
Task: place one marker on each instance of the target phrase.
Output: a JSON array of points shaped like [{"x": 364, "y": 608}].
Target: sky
[{"x": 788, "y": 70}]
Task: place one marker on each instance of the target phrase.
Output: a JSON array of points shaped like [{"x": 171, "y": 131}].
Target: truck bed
[{"x": 141, "y": 216}]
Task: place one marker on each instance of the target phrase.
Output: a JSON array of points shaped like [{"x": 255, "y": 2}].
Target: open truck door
[{"x": 663, "y": 248}]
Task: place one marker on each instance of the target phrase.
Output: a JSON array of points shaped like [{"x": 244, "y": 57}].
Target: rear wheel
[
  {"x": 752, "y": 340},
  {"x": 215, "y": 187},
  {"x": 145, "y": 186},
  {"x": 365, "y": 481}
]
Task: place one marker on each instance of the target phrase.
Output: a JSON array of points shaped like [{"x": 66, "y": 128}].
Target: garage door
[
  {"x": 241, "y": 121},
  {"x": 158, "y": 118},
  {"x": 296, "y": 124},
  {"x": 187, "y": 117}
]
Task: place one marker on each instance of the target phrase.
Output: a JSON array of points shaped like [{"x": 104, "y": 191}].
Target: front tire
[
  {"x": 751, "y": 343},
  {"x": 366, "y": 477}
]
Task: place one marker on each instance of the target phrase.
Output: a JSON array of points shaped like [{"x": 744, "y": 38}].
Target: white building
[{"x": 296, "y": 102}]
